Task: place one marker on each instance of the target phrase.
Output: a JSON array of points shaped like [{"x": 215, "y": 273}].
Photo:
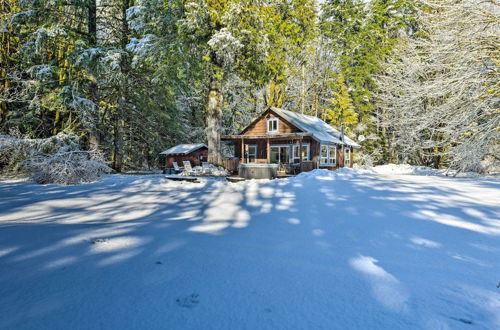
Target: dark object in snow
[
  {"x": 235, "y": 179},
  {"x": 159, "y": 262},
  {"x": 182, "y": 178},
  {"x": 189, "y": 301},
  {"x": 466, "y": 321},
  {"x": 98, "y": 240},
  {"x": 498, "y": 285}
]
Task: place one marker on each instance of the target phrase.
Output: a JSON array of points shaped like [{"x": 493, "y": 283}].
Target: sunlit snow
[{"x": 391, "y": 247}]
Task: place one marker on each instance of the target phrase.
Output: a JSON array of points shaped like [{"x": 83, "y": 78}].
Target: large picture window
[
  {"x": 272, "y": 125},
  {"x": 328, "y": 155}
]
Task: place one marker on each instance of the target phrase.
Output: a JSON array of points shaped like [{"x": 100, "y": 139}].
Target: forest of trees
[{"x": 411, "y": 81}]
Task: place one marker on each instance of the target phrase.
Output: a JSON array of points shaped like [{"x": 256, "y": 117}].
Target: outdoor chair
[
  {"x": 206, "y": 168},
  {"x": 188, "y": 169},
  {"x": 177, "y": 169}
]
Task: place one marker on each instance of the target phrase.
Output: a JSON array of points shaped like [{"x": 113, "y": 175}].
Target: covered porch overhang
[
  {"x": 287, "y": 136},
  {"x": 265, "y": 142}
]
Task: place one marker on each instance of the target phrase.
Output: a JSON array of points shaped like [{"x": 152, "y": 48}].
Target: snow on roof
[
  {"x": 320, "y": 130},
  {"x": 183, "y": 149}
]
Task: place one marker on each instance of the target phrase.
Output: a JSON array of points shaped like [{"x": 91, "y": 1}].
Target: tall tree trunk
[
  {"x": 92, "y": 21},
  {"x": 118, "y": 137},
  {"x": 94, "y": 138},
  {"x": 122, "y": 99},
  {"x": 4, "y": 59},
  {"x": 303, "y": 90},
  {"x": 214, "y": 117}
]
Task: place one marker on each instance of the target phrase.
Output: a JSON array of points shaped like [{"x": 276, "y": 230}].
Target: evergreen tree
[
  {"x": 362, "y": 35},
  {"x": 228, "y": 37},
  {"x": 341, "y": 113}
]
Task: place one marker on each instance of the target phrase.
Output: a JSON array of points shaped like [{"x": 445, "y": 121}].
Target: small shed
[{"x": 195, "y": 153}]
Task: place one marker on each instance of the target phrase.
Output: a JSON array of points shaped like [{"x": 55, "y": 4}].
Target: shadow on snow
[{"x": 334, "y": 250}]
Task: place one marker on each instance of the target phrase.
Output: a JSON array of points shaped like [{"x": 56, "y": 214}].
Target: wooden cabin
[
  {"x": 294, "y": 141},
  {"x": 195, "y": 153}
]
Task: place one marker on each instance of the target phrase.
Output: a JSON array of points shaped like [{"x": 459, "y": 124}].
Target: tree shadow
[{"x": 308, "y": 251}]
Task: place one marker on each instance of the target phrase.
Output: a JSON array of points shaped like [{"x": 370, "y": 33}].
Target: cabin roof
[
  {"x": 183, "y": 149},
  {"x": 320, "y": 130}
]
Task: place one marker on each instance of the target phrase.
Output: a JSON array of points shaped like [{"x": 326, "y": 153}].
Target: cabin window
[
  {"x": 304, "y": 153},
  {"x": 328, "y": 155},
  {"x": 251, "y": 153},
  {"x": 347, "y": 157},
  {"x": 272, "y": 125},
  {"x": 332, "y": 155},
  {"x": 324, "y": 154},
  {"x": 280, "y": 154}
]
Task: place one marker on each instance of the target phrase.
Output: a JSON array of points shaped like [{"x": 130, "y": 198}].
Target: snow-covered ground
[{"x": 351, "y": 249}]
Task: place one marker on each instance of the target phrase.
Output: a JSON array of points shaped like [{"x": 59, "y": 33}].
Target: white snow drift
[{"x": 351, "y": 249}]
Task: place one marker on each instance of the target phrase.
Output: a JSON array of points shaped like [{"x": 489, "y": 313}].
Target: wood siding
[
  {"x": 262, "y": 147},
  {"x": 259, "y": 127},
  {"x": 196, "y": 158}
]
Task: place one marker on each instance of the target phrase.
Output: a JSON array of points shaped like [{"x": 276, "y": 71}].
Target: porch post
[
  {"x": 300, "y": 153},
  {"x": 268, "y": 152},
  {"x": 242, "y": 150}
]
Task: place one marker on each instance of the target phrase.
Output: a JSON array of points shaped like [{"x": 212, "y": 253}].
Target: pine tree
[
  {"x": 341, "y": 113},
  {"x": 362, "y": 35},
  {"x": 228, "y": 36}
]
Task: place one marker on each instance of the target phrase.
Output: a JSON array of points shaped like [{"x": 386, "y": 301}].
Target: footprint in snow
[
  {"x": 189, "y": 301},
  {"x": 98, "y": 240},
  {"x": 466, "y": 321}
]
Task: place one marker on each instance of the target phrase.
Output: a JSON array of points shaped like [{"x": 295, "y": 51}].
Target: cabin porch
[{"x": 286, "y": 154}]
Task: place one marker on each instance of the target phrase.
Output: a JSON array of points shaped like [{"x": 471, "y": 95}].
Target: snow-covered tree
[
  {"x": 230, "y": 38},
  {"x": 440, "y": 96}
]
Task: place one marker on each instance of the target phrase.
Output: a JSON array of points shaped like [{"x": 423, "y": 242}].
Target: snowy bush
[
  {"x": 364, "y": 159},
  {"x": 57, "y": 159},
  {"x": 70, "y": 167}
]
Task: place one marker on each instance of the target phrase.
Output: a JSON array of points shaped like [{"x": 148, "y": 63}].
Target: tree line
[{"x": 410, "y": 80}]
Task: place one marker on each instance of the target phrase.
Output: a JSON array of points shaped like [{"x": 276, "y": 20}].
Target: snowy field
[{"x": 352, "y": 249}]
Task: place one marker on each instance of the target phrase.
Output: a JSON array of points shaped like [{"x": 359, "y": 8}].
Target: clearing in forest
[{"x": 361, "y": 249}]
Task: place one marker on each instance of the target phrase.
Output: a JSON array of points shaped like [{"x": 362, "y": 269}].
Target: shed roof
[
  {"x": 183, "y": 149},
  {"x": 320, "y": 130}
]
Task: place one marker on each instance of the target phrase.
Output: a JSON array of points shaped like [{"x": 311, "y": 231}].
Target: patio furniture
[
  {"x": 177, "y": 169},
  {"x": 206, "y": 168},
  {"x": 188, "y": 169}
]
